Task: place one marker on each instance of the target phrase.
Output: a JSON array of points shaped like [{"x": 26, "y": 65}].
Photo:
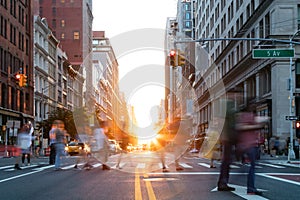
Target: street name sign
[{"x": 273, "y": 53}]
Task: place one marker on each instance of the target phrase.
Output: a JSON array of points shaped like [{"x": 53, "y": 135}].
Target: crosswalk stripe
[
  {"x": 97, "y": 165},
  {"x": 42, "y": 168},
  {"x": 270, "y": 165},
  {"x": 25, "y": 167},
  {"x": 5, "y": 167},
  {"x": 204, "y": 165},
  {"x": 186, "y": 166},
  {"x": 141, "y": 165}
]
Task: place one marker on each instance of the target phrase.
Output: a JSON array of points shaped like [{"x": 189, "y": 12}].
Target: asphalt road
[{"x": 196, "y": 181}]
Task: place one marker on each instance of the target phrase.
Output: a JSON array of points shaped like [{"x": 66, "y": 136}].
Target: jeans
[
  {"x": 252, "y": 155},
  {"x": 52, "y": 154},
  {"x": 225, "y": 166},
  {"x": 60, "y": 152}
]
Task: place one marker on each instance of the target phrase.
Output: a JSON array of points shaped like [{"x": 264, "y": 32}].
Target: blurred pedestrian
[
  {"x": 276, "y": 146},
  {"x": 37, "y": 146},
  {"x": 123, "y": 151},
  {"x": 52, "y": 141},
  {"x": 100, "y": 144},
  {"x": 24, "y": 141},
  {"x": 213, "y": 142},
  {"x": 60, "y": 143},
  {"x": 85, "y": 137},
  {"x": 249, "y": 141},
  {"x": 228, "y": 140}
]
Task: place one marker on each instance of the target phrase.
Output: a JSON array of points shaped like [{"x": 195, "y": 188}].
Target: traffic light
[
  {"x": 298, "y": 129},
  {"x": 18, "y": 79},
  {"x": 24, "y": 80},
  {"x": 181, "y": 59},
  {"x": 173, "y": 59}
]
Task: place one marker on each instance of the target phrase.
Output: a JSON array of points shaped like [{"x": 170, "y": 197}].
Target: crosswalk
[{"x": 198, "y": 165}]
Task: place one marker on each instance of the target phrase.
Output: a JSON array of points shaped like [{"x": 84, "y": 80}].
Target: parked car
[{"x": 77, "y": 148}]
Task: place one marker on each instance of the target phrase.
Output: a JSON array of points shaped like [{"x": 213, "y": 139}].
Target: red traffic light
[
  {"x": 297, "y": 124},
  {"x": 18, "y": 76},
  {"x": 172, "y": 53}
]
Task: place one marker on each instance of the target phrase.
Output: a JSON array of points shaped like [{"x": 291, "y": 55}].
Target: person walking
[
  {"x": 228, "y": 141},
  {"x": 60, "y": 143},
  {"x": 52, "y": 139},
  {"x": 100, "y": 146},
  {"x": 84, "y": 136},
  {"x": 24, "y": 141},
  {"x": 248, "y": 141},
  {"x": 37, "y": 147}
]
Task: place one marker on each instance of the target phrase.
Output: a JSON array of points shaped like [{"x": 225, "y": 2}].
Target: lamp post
[
  {"x": 291, "y": 153},
  {"x": 43, "y": 111}
]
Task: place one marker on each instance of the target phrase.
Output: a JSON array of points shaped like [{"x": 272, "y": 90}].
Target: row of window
[
  {"x": 8, "y": 59},
  {"x": 14, "y": 100},
  {"x": 15, "y": 37},
  {"x": 263, "y": 79}
]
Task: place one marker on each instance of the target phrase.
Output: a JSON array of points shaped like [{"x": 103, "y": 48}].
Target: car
[{"x": 73, "y": 148}]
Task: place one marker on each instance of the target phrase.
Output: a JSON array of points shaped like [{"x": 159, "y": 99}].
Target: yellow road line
[
  {"x": 137, "y": 188},
  {"x": 149, "y": 187}
]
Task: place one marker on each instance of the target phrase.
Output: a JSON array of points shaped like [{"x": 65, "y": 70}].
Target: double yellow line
[{"x": 138, "y": 189}]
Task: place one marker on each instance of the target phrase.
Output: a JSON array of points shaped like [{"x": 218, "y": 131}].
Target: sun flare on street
[{"x": 146, "y": 102}]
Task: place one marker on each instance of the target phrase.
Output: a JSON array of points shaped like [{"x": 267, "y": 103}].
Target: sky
[{"x": 121, "y": 18}]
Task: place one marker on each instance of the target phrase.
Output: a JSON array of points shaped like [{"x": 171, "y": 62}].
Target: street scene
[
  {"x": 166, "y": 100},
  {"x": 275, "y": 177}
]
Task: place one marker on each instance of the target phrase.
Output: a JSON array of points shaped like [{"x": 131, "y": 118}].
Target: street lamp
[
  {"x": 43, "y": 111},
  {"x": 291, "y": 153}
]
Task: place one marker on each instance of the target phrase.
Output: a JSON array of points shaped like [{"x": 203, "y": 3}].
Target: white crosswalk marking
[
  {"x": 5, "y": 167},
  {"x": 25, "y": 167},
  {"x": 234, "y": 166},
  {"x": 186, "y": 166},
  {"x": 141, "y": 165},
  {"x": 270, "y": 165},
  {"x": 204, "y": 165}
]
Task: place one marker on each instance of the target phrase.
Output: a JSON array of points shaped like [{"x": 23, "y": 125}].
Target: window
[
  {"x": 297, "y": 74},
  {"x": 298, "y": 16},
  {"x": 188, "y": 15},
  {"x": 76, "y": 35}
]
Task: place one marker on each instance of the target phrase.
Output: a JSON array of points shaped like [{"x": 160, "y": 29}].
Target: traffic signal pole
[{"x": 291, "y": 153}]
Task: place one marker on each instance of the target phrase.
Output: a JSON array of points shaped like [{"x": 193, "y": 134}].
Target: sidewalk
[
  {"x": 33, "y": 160},
  {"x": 281, "y": 160}
]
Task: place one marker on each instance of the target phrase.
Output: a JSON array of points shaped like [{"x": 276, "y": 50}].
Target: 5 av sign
[{"x": 273, "y": 53}]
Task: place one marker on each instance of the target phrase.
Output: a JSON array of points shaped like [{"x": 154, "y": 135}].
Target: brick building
[{"x": 16, "y": 103}]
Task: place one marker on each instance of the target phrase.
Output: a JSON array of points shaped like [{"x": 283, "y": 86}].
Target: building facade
[
  {"x": 262, "y": 82},
  {"x": 105, "y": 83},
  {"x": 71, "y": 23},
  {"x": 16, "y": 56}
]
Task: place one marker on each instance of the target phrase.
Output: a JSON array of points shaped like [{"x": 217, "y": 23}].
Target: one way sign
[{"x": 292, "y": 118}]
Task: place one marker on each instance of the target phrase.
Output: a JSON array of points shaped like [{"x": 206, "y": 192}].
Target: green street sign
[{"x": 273, "y": 53}]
